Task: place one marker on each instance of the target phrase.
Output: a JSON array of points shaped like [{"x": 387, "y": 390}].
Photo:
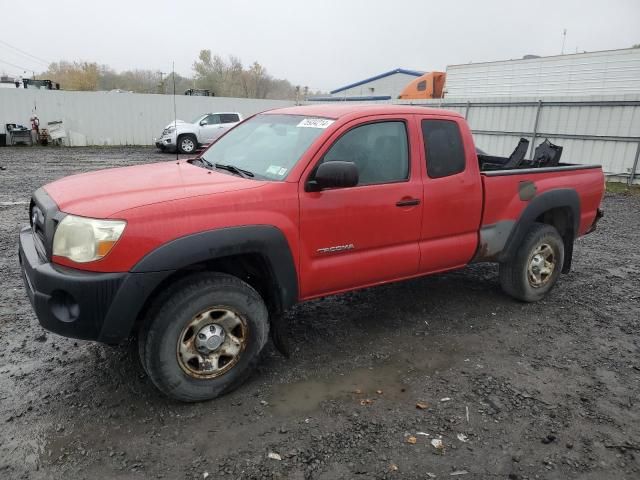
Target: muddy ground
[{"x": 546, "y": 390}]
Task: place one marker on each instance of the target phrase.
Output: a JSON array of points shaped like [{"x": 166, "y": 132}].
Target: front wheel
[
  {"x": 536, "y": 266},
  {"x": 203, "y": 336},
  {"x": 187, "y": 143}
]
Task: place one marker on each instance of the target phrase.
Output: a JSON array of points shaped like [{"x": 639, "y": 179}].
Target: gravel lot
[{"x": 546, "y": 390}]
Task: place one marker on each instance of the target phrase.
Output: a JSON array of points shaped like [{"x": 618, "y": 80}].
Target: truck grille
[
  {"x": 37, "y": 220},
  {"x": 44, "y": 217}
]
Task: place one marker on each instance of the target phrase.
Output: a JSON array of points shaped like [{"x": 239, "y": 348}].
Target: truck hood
[
  {"x": 104, "y": 193},
  {"x": 175, "y": 124}
]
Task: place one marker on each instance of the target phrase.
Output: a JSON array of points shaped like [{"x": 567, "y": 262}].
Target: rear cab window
[
  {"x": 229, "y": 117},
  {"x": 443, "y": 148}
]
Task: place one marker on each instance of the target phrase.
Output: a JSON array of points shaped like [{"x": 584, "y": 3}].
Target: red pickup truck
[{"x": 200, "y": 257}]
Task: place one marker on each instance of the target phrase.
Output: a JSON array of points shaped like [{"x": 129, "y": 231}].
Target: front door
[
  {"x": 210, "y": 128},
  {"x": 367, "y": 234}
]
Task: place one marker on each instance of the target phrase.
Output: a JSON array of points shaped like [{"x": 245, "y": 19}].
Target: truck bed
[
  {"x": 526, "y": 169},
  {"x": 503, "y": 209}
]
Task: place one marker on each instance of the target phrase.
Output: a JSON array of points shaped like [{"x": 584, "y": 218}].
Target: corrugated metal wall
[
  {"x": 594, "y": 130},
  {"x": 109, "y": 118},
  {"x": 593, "y": 73}
]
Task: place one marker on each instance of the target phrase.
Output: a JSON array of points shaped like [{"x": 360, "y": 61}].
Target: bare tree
[
  {"x": 74, "y": 75},
  {"x": 223, "y": 77}
]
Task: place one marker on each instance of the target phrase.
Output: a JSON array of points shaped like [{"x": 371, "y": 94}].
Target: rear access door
[{"x": 452, "y": 193}]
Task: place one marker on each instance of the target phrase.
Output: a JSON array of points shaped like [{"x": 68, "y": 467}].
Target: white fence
[
  {"x": 110, "y": 118},
  {"x": 601, "y": 130}
]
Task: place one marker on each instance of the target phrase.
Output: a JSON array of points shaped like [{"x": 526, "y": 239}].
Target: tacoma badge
[{"x": 337, "y": 248}]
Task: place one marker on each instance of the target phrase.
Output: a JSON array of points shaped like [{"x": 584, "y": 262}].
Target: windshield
[
  {"x": 198, "y": 118},
  {"x": 267, "y": 145}
]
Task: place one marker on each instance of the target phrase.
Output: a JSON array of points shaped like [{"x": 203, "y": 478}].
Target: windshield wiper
[
  {"x": 234, "y": 169},
  {"x": 205, "y": 161}
]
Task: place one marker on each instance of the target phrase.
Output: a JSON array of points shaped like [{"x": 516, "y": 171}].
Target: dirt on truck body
[{"x": 543, "y": 390}]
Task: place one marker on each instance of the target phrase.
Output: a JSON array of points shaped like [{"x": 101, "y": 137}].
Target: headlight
[
  {"x": 86, "y": 239},
  {"x": 169, "y": 130}
]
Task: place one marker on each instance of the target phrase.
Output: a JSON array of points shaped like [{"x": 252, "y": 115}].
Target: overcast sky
[{"x": 322, "y": 44}]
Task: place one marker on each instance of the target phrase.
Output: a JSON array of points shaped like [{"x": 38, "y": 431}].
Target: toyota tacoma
[{"x": 199, "y": 258}]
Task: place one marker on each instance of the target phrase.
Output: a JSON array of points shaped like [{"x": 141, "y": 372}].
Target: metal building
[
  {"x": 608, "y": 72},
  {"x": 385, "y": 86}
]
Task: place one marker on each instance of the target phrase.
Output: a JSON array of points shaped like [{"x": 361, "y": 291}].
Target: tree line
[{"x": 222, "y": 77}]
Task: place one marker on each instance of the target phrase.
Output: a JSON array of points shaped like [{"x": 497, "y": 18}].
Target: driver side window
[
  {"x": 211, "y": 120},
  {"x": 379, "y": 150}
]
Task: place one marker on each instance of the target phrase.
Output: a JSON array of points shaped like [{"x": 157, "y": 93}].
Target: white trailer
[{"x": 594, "y": 73}]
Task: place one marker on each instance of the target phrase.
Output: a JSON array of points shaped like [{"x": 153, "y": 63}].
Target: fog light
[{"x": 64, "y": 307}]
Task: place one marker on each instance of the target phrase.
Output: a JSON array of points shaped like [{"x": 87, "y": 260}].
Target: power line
[
  {"x": 41, "y": 60},
  {"x": 17, "y": 66},
  {"x": 33, "y": 64},
  {"x": 10, "y": 72}
]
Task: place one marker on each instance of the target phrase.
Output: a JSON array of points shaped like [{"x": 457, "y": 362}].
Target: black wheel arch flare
[
  {"x": 148, "y": 274},
  {"x": 265, "y": 240},
  {"x": 540, "y": 204}
]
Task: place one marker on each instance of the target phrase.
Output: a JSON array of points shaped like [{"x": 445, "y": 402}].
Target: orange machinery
[{"x": 429, "y": 85}]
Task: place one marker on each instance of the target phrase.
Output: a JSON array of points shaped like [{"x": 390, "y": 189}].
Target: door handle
[{"x": 408, "y": 202}]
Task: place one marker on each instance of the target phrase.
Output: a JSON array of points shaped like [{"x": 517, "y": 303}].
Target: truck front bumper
[
  {"x": 79, "y": 304},
  {"x": 166, "y": 142}
]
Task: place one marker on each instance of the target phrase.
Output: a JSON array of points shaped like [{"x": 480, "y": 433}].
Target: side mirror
[
  {"x": 336, "y": 174},
  {"x": 203, "y": 123}
]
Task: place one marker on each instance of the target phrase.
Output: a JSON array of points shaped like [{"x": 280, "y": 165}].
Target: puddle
[
  {"x": 306, "y": 396},
  {"x": 360, "y": 383}
]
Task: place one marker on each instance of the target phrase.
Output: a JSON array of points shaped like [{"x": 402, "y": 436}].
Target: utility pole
[
  {"x": 564, "y": 37},
  {"x": 161, "y": 84}
]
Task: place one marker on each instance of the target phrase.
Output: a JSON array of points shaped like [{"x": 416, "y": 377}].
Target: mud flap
[
  {"x": 568, "y": 254},
  {"x": 278, "y": 335}
]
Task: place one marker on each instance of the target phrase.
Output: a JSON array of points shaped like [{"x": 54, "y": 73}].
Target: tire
[
  {"x": 168, "y": 328},
  {"x": 516, "y": 278},
  {"x": 187, "y": 143}
]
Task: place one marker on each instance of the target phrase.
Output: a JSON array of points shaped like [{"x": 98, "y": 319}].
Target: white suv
[{"x": 204, "y": 129}]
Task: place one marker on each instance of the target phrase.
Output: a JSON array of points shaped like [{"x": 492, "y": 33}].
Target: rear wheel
[
  {"x": 536, "y": 266},
  {"x": 203, "y": 337},
  {"x": 187, "y": 143}
]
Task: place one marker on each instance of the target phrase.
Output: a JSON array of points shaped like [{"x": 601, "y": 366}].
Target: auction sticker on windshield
[
  {"x": 315, "y": 123},
  {"x": 276, "y": 170}
]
